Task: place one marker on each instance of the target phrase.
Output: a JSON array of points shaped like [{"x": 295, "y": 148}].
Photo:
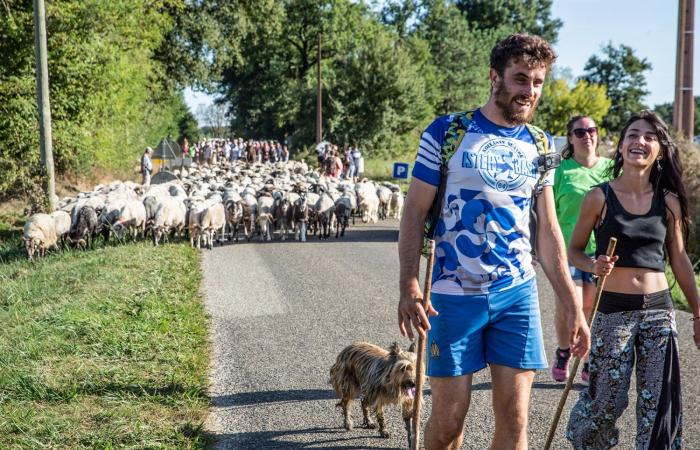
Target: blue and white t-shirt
[{"x": 482, "y": 240}]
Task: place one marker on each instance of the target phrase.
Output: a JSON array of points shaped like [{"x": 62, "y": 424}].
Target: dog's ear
[
  {"x": 395, "y": 349},
  {"x": 412, "y": 347}
]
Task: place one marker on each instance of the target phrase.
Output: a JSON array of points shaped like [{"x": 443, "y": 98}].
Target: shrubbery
[
  {"x": 690, "y": 156},
  {"x": 110, "y": 96}
]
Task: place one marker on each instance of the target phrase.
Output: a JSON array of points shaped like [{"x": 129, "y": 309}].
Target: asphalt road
[{"x": 281, "y": 312}]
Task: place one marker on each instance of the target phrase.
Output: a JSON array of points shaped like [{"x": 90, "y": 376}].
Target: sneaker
[
  {"x": 560, "y": 369},
  {"x": 585, "y": 374}
]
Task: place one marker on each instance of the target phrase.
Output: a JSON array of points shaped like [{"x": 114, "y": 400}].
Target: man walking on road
[
  {"x": 146, "y": 166},
  {"x": 484, "y": 308}
]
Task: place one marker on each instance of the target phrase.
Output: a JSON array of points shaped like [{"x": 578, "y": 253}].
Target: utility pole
[
  {"x": 684, "y": 104},
  {"x": 319, "y": 123},
  {"x": 688, "y": 122},
  {"x": 44, "y": 107},
  {"x": 678, "y": 93}
]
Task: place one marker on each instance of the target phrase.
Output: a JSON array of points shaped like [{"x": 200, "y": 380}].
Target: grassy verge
[
  {"x": 102, "y": 349},
  {"x": 382, "y": 170},
  {"x": 676, "y": 293}
]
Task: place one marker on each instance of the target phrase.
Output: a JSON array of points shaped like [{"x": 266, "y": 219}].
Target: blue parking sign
[{"x": 400, "y": 170}]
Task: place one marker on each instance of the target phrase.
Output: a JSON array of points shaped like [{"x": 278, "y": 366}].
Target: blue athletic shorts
[
  {"x": 580, "y": 275},
  {"x": 471, "y": 331}
]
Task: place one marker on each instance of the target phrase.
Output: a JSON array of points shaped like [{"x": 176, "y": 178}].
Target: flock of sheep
[{"x": 215, "y": 203}]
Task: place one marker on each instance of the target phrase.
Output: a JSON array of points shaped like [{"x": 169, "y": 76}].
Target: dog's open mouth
[{"x": 409, "y": 389}]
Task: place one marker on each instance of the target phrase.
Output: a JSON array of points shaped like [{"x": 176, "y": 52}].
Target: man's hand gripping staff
[{"x": 420, "y": 320}]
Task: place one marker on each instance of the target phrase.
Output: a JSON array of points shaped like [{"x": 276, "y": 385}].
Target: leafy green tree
[
  {"x": 187, "y": 125},
  {"x": 560, "y": 102},
  {"x": 109, "y": 96},
  {"x": 378, "y": 97},
  {"x": 623, "y": 75},
  {"x": 206, "y": 36},
  {"x": 460, "y": 56},
  {"x": 531, "y": 16},
  {"x": 373, "y": 92},
  {"x": 399, "y": 14}
]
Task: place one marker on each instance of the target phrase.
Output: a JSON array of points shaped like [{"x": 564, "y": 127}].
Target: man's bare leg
[
  {"x": 511, "y": 401},
  {"x": 445, "y": 427}
]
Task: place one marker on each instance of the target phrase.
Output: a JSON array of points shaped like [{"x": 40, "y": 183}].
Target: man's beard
[{"x": 506, "y": 103}]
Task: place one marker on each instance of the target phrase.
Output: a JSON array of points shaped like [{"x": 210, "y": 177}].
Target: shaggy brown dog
[{"x": 379, "y": 378}]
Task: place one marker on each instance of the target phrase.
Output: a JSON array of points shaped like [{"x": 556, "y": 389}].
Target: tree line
[
  {"x": 387, "y": 72},
  {"x": 112, "y": 89},
  {"x": 117, "y": 71}
]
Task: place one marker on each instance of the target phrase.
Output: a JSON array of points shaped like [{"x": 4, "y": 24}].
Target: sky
[{"x": 648, "y": 26}]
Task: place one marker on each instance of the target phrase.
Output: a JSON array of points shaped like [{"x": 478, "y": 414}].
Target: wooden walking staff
[
  {"x": 553, "y": 428},
  {"x": 420, "y": 355}
]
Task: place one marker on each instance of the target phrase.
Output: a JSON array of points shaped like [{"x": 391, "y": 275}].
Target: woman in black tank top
[{"x": 645, "y": 207}]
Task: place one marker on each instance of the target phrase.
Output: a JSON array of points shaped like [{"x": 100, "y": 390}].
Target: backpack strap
[
  {"x": 542, "y": 145},
  {"x": 539, "y": 137},
  {"x": 454, "y": 135},
  {"x": 453, "y": 138}
]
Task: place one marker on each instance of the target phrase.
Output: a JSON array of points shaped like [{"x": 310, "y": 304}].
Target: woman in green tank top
[{"x": 581, "y": 169}]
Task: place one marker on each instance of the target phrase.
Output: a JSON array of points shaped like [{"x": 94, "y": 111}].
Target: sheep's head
[
  {"x": 119, "y": 230},
  {"x": 32, "y": 245},
  {"x": 263, "y": 220}
]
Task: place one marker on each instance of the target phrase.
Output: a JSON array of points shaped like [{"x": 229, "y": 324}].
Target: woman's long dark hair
[
  {"x": 568, "y": 150},
  {"x": 669, "y": 178}
]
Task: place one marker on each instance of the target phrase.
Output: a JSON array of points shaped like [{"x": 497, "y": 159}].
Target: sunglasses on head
[{"x": 581, "y": 132}]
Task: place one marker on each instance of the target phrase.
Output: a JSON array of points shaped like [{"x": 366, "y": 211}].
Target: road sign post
[{"x": 400, "y": 170}]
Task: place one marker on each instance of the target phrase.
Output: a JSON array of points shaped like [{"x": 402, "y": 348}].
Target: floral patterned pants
[{"x": 650, "y": 337}]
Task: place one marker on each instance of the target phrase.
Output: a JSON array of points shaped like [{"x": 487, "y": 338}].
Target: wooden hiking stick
[
  {"x": 574, "y": 369},
  {"x": 420, "y": 355}
]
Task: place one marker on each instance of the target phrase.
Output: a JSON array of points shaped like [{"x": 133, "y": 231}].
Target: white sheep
[
  {"x": 170, "y": 216},
  {"x": 213, "y": 221},
  {"x": 396, "y": 205},
  {"x": 62, "y": 224},
  {"x": 384, "y": 194},
  {"x": 132, "y": 217},
  {"x": 369, "y": 207},
  {"x": 195, "y": 211},
  {"x": 39, "y": 235},
  {"x": 265, "y": 203}
]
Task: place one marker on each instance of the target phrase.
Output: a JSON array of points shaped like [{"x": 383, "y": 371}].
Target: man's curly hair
[{"x": 533, "y": 50}]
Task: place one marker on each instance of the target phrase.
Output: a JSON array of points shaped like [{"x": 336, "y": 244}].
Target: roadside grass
[
  {"x": 11, "y": 224},
  {"x": 102, "y": 349},
  {"x": 382, "y": 170},
  {"x": 678, "y": 297}
]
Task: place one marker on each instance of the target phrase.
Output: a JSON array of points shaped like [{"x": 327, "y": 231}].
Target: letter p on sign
[{"x": 400, "y": 170}]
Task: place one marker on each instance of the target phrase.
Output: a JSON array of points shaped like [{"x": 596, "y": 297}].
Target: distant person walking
[
  {"x": 185, "y": 147},
  {"x": 349, "y": 164},
  {"x": 358, "y": 162},
  {"x": 146, "y": 166}
]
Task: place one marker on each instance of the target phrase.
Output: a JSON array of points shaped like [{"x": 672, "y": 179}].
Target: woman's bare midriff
[{"x": 632, "y": 280}]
